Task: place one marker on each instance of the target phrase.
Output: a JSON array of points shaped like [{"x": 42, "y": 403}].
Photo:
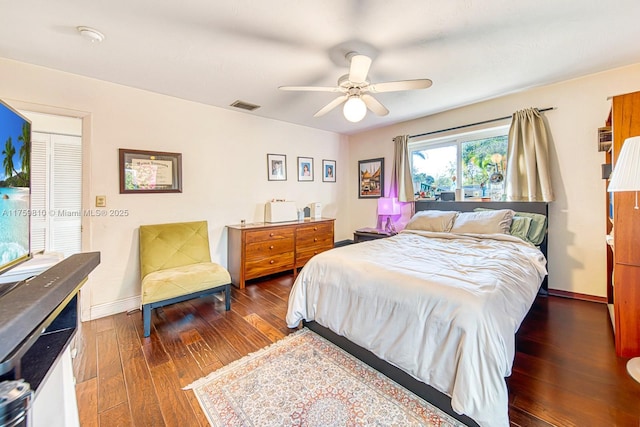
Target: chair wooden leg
[
  {"x": 146, "y": 319},
  {"x": 227, "y": 297}
]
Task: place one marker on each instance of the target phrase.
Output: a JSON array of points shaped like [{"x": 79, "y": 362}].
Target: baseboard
[
  {"x": 107, "y": 309},
  {"x": 578, "y": 296},
  {"x": 133, "y": 303}
]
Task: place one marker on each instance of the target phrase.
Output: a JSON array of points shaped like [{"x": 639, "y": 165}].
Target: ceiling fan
[{"x": 355, "y": 91}]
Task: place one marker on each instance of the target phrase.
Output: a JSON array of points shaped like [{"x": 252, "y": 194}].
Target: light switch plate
[{"x": 101, "y": 201}]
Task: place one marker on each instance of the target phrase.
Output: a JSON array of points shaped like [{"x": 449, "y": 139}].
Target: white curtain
[
  {"x": 401, "y": 180},
  {"x": 527, "y": 174}
]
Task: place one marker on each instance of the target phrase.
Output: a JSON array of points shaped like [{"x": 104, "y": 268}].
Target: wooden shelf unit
[{"x": 626, "y": 229}]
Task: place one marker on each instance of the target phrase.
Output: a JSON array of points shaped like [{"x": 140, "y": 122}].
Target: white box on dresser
[{"x": 280, "y": 212}]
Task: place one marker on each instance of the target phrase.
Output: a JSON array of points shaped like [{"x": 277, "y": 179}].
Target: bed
[{"x": 435, "y": 309}]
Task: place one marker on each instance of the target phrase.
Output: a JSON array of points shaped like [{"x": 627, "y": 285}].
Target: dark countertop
[{"x": 33, "y": 304}]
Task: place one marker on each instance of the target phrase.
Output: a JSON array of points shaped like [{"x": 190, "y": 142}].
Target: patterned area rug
[{"x": 304, "y": 380}]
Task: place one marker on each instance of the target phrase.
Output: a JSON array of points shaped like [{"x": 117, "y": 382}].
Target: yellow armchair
[{"x": 175, "y": 265}]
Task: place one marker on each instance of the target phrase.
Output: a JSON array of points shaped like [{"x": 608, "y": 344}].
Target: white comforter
[{"x": 443, "y": 307}]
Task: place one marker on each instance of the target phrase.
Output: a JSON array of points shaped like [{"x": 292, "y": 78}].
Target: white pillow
[
  {"x": 483, "y": 222},
  {"x": 432, "y": 221}
]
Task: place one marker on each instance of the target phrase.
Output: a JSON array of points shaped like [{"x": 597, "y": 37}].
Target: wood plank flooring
[{"x": 566, "y": 372}]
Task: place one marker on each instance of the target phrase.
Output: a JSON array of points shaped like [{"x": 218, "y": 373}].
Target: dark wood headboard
[{"x": 533, "y": 207}]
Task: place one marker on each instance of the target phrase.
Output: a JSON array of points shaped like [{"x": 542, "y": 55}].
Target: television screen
[{"x": 15, "y": 145}]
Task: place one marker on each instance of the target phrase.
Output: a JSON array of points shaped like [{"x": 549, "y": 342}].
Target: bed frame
[{"x": 428, "y": 393}]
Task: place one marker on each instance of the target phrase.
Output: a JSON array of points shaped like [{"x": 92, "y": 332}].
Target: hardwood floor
[{"x": 566, "y": 372}]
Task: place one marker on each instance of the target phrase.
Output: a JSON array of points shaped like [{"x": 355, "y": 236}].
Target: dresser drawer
[
  {"x": 313, "y": 229},
  {"x": 320, "y": 235},
  {"x": 271, "y": 234},
  {"x": 269, "y": 265},
  {"x": 312, "y": 242},
  {"x": 259, "y": 250},
  {"x": 302, "y": 256}
]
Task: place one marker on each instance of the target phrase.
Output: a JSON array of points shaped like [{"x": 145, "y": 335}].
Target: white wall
[
  {"x": 224, "y": 161},
  {"x": 577, "y": 257},
  {"x": 224, "y": 167}
]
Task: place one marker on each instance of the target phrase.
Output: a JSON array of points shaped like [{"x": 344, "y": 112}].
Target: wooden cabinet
[
  {"x": 256, "y": 250},
  {"x": 626, "y": 229}
]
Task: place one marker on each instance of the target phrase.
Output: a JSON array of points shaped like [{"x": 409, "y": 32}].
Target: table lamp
[
  {"x": 388, "y": 206},
  {"x": 626, "y": 177},
  {"x": 626, "y": 173}
]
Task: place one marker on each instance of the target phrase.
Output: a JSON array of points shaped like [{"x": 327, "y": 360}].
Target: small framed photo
[
  {"x": 371, "y": 178},
  {"x": 277, "y": 167},
  {"x": 329, "y": 170},
  {"x": 150, "y": 171},
  {"x": 305, "y": 169}
]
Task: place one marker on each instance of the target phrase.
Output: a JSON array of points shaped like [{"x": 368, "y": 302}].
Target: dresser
[{"x": 260, "y": 249}]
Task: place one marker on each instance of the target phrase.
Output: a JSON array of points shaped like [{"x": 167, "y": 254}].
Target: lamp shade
[
  {"x": 388, "y": 206},
  {"x": 354, "y": 109},
  {"x": 626, "y": 172}
]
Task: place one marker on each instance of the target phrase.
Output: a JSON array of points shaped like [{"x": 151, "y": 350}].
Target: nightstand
[{"x": 363, "y": 236}]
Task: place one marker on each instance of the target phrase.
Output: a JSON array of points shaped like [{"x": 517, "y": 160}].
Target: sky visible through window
[{"x": 437, "y": 162}]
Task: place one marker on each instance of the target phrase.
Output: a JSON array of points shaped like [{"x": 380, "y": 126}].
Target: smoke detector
[{"x": 91, "y": 34}]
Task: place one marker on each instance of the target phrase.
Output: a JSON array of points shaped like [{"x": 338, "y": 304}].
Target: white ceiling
[{"x": 219, "y": 51}]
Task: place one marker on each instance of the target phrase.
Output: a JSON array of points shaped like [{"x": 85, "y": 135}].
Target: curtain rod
[{"x": 473, "y": 124}]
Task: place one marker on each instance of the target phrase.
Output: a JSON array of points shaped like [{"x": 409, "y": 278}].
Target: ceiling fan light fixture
[
  {"x": 354, "y": 109},
  {"x": 356, "y": 90}
]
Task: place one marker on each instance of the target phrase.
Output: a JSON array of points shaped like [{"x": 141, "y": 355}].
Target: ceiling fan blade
[
  {"x": 359, "y": 68},
  {"x": 400, "y": 85},
  {"x": 374, "y": 105},
  {"x": 330, "y": 106},
  {"x": 312, "y": 88}
]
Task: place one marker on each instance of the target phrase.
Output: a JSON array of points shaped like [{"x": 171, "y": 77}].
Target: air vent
[{"x": 245, "y": 105}]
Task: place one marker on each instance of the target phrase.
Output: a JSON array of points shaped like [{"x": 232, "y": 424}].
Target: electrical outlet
[{"x": 101, "y": 201}]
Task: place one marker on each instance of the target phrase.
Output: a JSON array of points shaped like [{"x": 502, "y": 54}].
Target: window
[{"x": 477, "y": 160}]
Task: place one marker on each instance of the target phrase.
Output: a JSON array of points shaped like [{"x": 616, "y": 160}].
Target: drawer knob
[
  {"x": 315, "y": 239},
  {"x": 271, "y": 247},
  {"x": 270, "y": 234},
  {"x": 315, "y": 228},
  {"x": 271, "y": 262}
]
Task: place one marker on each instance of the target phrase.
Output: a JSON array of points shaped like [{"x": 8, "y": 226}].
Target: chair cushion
[{"x": 173, "y": 282}]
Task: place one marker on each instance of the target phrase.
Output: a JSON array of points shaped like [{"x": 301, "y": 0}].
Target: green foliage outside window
[{"x": 478, "y": 159}]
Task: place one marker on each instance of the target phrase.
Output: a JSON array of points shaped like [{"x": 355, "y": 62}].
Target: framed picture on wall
[
  {"x": 150, "y": 171},
  {"x": 370, "y": 178},
  {"x": 329, "y": 170},
  {"x": 277, "y": 167},
  {"x": 305, "y": 169}
]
